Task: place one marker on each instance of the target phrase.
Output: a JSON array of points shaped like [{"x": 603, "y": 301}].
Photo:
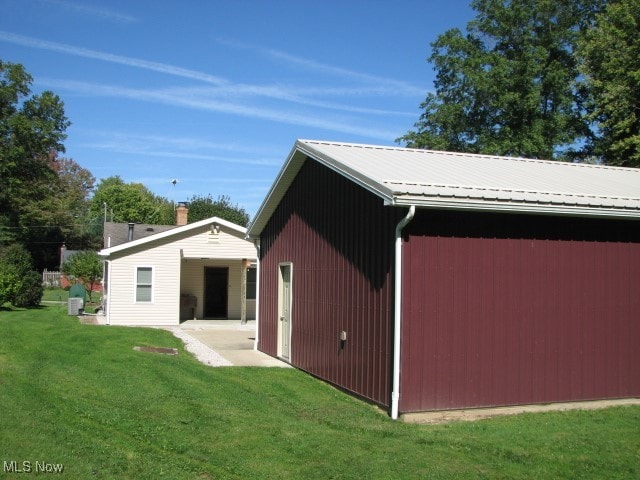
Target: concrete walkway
[{"x": 231, "y": 340}]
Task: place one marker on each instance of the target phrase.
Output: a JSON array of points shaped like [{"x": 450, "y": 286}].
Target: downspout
[
  {"x": 107, "y": 286},
  {"x": 397, "y": 313},
  {"x": 255, "y": 342}
]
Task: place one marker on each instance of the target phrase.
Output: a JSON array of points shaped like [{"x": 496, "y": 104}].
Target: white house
[{"x": 202, "y": 270}]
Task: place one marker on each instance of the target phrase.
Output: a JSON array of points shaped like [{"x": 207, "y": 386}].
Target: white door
[{"x": 285, "y": 310}]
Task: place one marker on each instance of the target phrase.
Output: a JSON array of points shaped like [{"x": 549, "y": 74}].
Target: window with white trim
[{"x": 144, "y": 284}]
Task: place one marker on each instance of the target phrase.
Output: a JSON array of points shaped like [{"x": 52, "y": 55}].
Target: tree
[
  {"x": 85, "y": 267},
  {"x": 610, "y": 54},
  {"x": 509, "y": 86},
  {"x": 62, "y": 215},
  {"x": 69, "y": 204},
  {"x": 130, "y": 202},
  {"x": 201, "y": 207},
  {"x": 32, "y": 129}
]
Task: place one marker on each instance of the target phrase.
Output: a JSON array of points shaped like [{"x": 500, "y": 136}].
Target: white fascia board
[
  {"x": 375, "y": 187},
  {"x": 298, "y": 155},
  {"x": 279, "y": 187},
  {"x": 106, "y": 252}
]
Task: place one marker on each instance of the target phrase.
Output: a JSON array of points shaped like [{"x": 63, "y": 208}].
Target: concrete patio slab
[{"x": 232, "y": 340}]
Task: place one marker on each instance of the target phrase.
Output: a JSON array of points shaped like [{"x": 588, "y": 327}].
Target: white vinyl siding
[
  {"x": 178, "y": 264},
  {"x": 144, "y": 284}
]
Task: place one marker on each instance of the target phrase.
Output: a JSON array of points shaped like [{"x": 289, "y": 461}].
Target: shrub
[
  {"x": 19, "y": 283},
  {"x": 8, "y": 282},
  {"x": 29, "y": 291}
]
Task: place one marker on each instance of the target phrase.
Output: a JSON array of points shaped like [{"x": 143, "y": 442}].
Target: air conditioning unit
[{"x": 75, "y": 306}]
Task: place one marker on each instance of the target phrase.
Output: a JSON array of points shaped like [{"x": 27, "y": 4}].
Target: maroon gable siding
[
  {"x": 514, "y": 309},
  {"x": 339, "y": 238}
]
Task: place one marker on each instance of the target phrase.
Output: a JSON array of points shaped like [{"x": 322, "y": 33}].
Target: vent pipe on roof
[
  {"x": 130, "y": 235},
  {"x": 397, "y": 313}
]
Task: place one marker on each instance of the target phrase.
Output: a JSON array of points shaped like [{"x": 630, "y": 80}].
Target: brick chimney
[{"x": 182, "y": 213}]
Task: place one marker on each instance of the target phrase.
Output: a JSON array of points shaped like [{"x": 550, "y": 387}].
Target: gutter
[{"x": 397, "y": 312}]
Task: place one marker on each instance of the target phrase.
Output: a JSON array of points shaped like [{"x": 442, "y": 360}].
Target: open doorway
[{"x": 216, "y": 292}]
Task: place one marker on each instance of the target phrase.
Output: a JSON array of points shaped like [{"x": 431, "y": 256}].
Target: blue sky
[{"x": 214, "y": 93}]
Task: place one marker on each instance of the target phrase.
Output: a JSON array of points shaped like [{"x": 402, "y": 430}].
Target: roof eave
[
  {"x": 515, "y": 207},
  {"x": 106, "y": 252}
]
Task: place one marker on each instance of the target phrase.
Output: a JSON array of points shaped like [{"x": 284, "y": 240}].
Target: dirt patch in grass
[{"x": 162, "y": 350}]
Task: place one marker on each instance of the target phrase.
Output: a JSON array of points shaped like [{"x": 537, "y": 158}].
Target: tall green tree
[
  {"x": 201, "y": 207},
  {"x": 610, "y": 54},
  {"x": 509, "y": 85},
  {"x": 61, "y": 215},
  {"x": 32, "y": 131},
  {"x": 130, "y": 202},
  {"x": 69, "y": 204}
]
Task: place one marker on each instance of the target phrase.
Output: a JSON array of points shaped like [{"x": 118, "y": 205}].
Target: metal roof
[{"x": 427, "y": 178}]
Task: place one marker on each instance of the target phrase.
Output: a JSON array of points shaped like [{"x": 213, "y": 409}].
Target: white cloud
[
  {"x": 289, "y": 93},
  {"x": 181, "y": 144},
  {"x": 170, "y": 97},
  {"x": 94, "y": 11},
  {"x": 109, "y": 57},
  {"x": 382, "y": 84}
]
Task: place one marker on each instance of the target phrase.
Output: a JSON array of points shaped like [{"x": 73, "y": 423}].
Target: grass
[
  {"x": 80, "y": 396},
  {"x": 54, "y": 294}
]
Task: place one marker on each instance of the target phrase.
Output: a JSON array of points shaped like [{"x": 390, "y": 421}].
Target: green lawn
[
  {"x": 80, "y": 396},
  {"x": 56, "y": 295},
  {"x": 61, "y": 295}
]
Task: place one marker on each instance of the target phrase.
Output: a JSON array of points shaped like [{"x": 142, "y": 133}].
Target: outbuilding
[
  {"x": 202, "y": 270},
  {"x": 424, "y": 280}
]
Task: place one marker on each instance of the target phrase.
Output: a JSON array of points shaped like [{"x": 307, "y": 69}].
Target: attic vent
[
  {"x": 214, "y": 233},
  {"x": 149, "y": 229}
]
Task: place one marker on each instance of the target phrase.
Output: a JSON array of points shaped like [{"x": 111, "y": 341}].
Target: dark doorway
[{"x": 216, "y": 281}]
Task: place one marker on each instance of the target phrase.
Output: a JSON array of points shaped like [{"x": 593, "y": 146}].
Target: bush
[
  {"x": 19, "y": 283},
  {"x": 29, "y": 292},
  {"x": 8, "y": 282}
]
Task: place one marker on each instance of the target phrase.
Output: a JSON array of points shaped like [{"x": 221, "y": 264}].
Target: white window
[{"x": 144, "y": 284}]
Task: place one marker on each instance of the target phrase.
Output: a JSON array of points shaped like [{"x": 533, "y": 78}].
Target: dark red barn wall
[
  {"x": 502, "y": 309},
  {"x": 339, "y": 238}
]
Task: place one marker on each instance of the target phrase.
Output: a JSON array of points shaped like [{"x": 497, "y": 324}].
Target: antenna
[{"x": 173, "y": 182}]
